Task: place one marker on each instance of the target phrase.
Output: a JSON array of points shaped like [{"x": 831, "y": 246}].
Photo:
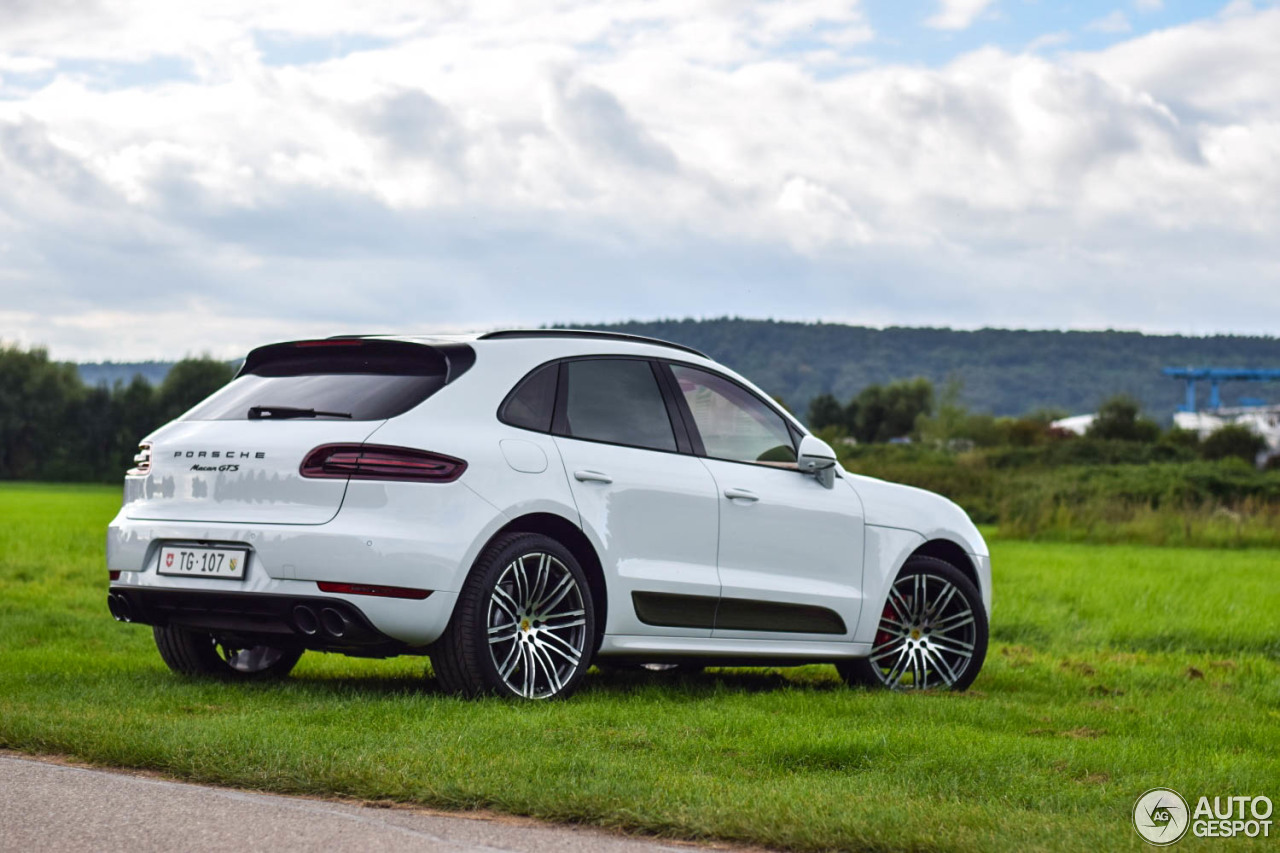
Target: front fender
[
  {"x": 908, "y": 508},
  {"x": 900, "y": 519}
]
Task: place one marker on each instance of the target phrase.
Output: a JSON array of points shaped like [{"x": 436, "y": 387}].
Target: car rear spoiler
[{"x": 360, "y": 355}]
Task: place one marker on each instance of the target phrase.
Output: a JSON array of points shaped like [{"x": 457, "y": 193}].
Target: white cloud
[
  {"x": 1238, "y": 8},
  {"x": 1148, "y": 5},
  {"x": 475, "y": 165},
  {"x": 957, "y": 14},
  {"x": 153, "y": 332},
  {"x": 1046, "y": 41},
  {"x": 1116, "y": 22},
  {"x": 1226, "y": 68},
  {"x": 25, "y": 64}
]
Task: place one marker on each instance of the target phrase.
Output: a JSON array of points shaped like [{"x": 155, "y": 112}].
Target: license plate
[{"x": 203, "y": 562}]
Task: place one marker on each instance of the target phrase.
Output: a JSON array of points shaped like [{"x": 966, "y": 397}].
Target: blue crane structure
[{"x": 1215, "y": 376}]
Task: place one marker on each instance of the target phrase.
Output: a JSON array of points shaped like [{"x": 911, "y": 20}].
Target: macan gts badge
[{"x": 520, "y": 505}]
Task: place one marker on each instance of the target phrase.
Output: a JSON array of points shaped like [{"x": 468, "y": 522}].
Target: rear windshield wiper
[{"x": 260, "y": 412}]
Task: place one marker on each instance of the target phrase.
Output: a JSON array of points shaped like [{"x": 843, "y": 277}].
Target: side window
[
  {"x": 618, "y": 401},
  {"x": 733, "y": 422},
  {"x": 533, "y": 401}
]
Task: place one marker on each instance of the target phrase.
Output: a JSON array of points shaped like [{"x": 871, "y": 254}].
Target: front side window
[
  {"x": 734, "y": 423},
  {"x": 617, "y": 401}
]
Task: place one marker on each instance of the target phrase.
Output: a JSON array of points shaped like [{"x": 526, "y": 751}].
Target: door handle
[
  {"x": 741, "y": 495},
  {"x": 591, "y": 477}
]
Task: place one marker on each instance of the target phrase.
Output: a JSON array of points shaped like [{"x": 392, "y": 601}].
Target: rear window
[{"x": 346, "y": 380}]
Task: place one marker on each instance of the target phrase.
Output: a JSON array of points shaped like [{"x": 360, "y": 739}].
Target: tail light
[
  {"x": 378, "y": 462},
  {"x": 141, "y": 459}
]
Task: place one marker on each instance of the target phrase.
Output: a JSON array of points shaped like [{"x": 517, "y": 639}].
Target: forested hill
[
  {"x": 1003, "y": 371},
  {"x": 110, "y": 372}
]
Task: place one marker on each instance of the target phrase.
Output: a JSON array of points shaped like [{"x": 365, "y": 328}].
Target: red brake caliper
[{"x": 883, "y": 636}]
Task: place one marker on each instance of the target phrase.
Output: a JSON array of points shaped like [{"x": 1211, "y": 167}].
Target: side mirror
[{"x": 817, "y": 458}]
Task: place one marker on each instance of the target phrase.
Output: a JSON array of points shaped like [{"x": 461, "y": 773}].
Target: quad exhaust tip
[
  {"x": 304, "y": 618},
  {"x": 329, "y": 621},
  {"x": 119, "y": 607},
  {"x": 335, "y": 624}
]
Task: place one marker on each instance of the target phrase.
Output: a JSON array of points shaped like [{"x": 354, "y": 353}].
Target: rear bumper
[
  {"x": 265, "y": 607},
  {"x": 385, "y": 535},
  {"x": 394, "y": 534},
  {"x": 284, "y": 621}
]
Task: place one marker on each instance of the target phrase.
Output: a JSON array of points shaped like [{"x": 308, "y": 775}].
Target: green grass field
[{"x": 1112, "y": 670}]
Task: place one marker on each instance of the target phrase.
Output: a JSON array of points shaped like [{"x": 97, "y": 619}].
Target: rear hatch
[{"x": 236, "y": 457}]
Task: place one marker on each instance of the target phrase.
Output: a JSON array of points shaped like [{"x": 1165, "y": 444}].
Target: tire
[
  {"x": 200, "y": 655},
  {"x": 919, "y": 646},
  {"x": 524, "y": 624}
]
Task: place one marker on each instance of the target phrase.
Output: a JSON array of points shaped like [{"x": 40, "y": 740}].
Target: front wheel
[
  {"x": 198, "y": 654},
  {"x": 932, "y": 632},
  {"x": 524, "y": 625}
]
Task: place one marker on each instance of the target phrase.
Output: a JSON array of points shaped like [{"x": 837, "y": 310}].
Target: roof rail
[{"x": 587, "y": 333}]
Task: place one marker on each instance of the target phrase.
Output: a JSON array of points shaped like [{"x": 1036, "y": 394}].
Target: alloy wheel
[
  {"x": 537, "y": 625},
  {"x": 927, "y": 635}
]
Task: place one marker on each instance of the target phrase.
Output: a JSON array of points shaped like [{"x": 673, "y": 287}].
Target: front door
[{"x": 790, "y": 549}]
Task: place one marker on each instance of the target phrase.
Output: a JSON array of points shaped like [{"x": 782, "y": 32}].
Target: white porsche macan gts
[{"x": 519, "y": 505}]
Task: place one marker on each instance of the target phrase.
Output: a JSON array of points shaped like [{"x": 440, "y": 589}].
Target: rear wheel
[
  {"x": 524, "y": 624},
  {"x": 198, "y": 654},
  {"x": 932, "y": 632}
]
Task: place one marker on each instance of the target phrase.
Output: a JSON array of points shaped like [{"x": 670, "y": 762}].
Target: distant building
[
  {"x": 1201, "y": 423},
  {"x": 1078, "y": 424},
  {"x": 1263, "y": 420}
]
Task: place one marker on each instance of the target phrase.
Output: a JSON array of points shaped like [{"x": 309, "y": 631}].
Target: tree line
[
  {"x": 53, "y": 426},
  {"x": 879, "y": 413},
  {"x": 908, "y": 411},
  {"x": 1005, "y": 371}
]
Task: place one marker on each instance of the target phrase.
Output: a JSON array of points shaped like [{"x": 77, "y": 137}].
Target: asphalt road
[{"x": 54, "y": 807}]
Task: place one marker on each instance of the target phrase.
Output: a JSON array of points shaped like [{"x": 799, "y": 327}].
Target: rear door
[
  {"x": 236, "y": 457},
  {"x": 650, "y": 510},
  {"x": 790, "y": 549}
]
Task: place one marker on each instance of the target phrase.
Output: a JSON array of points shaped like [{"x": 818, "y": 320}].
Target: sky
[{"x": 185, "y": 178}]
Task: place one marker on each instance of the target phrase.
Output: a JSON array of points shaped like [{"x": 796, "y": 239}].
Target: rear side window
[
  {"x": 617, "y": 401},
  {"x": 533, "y": 402},
  {"x": 359, "y": 381}
]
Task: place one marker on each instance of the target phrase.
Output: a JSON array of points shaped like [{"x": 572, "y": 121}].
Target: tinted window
[
  {"x": 618, "y": 401},
  {"x": 369, "y": 382},
  {"x": 733, "y": 422},
  {"x": 534, "y": 400}
]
